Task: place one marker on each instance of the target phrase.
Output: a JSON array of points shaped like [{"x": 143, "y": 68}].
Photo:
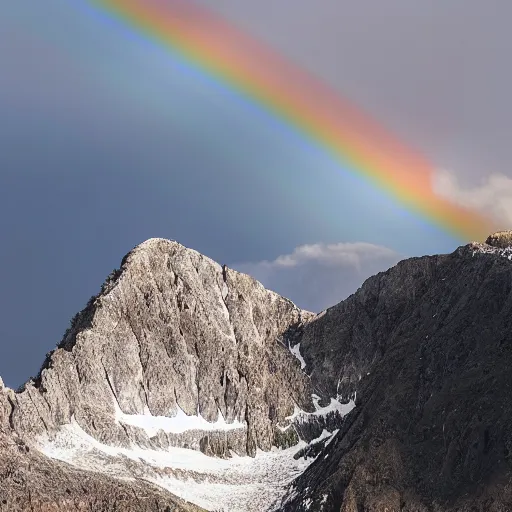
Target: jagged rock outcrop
[{"x": 427, "y": 346}]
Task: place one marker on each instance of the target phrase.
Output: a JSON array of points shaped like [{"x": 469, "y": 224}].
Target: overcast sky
[{"x": 107, "y": 141}]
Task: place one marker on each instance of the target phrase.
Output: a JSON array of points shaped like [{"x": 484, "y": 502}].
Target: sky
[{"x": 107, "y": 140}]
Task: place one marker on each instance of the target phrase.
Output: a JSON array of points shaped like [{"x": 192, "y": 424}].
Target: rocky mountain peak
[
  {"x": 172, "y": 331},
  {"x": 177, "y": 352}
]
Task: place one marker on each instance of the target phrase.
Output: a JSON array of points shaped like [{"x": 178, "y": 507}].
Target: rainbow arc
[{"x": 313, "y": 108}]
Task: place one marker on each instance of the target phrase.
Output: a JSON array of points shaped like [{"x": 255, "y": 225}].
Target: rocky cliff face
[
  {"x": 185, "y": 378},
  {"x": 428, "y": 348}
]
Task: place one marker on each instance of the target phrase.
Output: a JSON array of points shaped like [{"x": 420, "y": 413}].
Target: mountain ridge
[{"x": 184, "y": 369}]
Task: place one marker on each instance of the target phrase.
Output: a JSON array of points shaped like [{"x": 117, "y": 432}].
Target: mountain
[
  {"x": 184, "y": 385},
  {"x": 427, "y": 346}
]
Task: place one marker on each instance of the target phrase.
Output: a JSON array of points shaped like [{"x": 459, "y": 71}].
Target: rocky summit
[{"x": 187, "y": 386}]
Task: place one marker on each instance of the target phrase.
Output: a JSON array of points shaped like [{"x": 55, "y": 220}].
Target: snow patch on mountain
[
  {"x": 295, "y": 350},
  {"x": 488, "y": 249},
  {"x": 252, "y": 485},
  {"x": 237, "y": 484},
  {"x": 333, "y": 407},
  {"x": 324, "y": 435},
  {"x": 177, "y": 424}
]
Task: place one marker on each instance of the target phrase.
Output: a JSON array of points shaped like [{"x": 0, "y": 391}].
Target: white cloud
[
  {"x": 317, "y": 276},
  {"x": 492, "y": 196}
]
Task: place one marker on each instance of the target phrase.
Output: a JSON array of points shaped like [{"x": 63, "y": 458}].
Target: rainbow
[{"x": 310, "y": 106}]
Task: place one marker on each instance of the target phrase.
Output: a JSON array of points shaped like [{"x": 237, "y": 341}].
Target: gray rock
[
  {"x": 172, "y": 329},
  {"x": 500, "y": 239},
  {"x": 427, "y": 346}
]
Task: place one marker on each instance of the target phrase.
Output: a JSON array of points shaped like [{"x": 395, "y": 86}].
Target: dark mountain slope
[{"x": 427, "y": 346}]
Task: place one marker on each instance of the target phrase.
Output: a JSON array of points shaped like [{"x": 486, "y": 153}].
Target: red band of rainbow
[{"x": 259, "y": 73}]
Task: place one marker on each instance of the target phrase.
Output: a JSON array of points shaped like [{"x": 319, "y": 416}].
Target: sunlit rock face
[
  {"x": 500, "y": 239},
  {"x": 177, "y": 365},
  {"x": 173, "y": 333}
]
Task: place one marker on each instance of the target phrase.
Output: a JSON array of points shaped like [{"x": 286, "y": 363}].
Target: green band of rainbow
[{"x": 310, "y": 106}]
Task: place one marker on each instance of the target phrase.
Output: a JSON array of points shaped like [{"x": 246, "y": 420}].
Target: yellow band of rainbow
[{"x": 358, "y": 143}]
